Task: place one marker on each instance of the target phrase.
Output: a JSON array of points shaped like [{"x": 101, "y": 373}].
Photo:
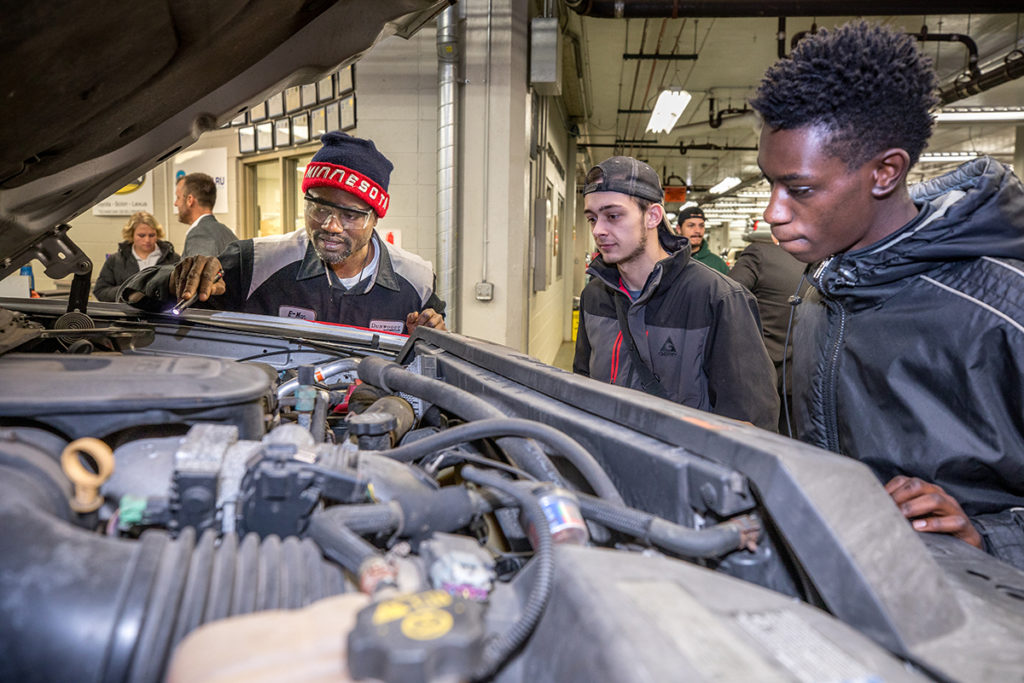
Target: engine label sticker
[
  {"x": 424, "y": 616},
  {"x": 393, "y": 326},
  {"x": 295, "y": 312}
]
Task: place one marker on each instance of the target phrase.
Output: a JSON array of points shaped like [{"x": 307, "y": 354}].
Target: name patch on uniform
[
  {"x": 393, "y": 326},
  {"x": 296, "y": 312}
]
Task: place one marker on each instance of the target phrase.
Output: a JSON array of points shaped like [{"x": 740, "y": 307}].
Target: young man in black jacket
[
  {"x": 909, "y": 353},
  {"x": 653, "y": 319}
]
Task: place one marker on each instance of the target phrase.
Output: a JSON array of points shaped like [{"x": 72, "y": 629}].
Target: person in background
[
  {"x": 774, "y": 278},
  {"x": 194, "y": 197},
  {"x": 691, "y": 226},
  {"x": 909, "y": 351},
  {"x": 653, "y": 319},
  {"x": 336, "y": 270},
  {"x": 143, "y": 246}
]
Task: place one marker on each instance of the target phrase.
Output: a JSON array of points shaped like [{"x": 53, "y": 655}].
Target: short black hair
[{"x": 868, "y": 85}]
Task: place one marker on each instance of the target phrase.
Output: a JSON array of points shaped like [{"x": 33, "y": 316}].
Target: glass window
[
  {"x": 297, "y": 169},
  {"x": 268, "y": 198}
]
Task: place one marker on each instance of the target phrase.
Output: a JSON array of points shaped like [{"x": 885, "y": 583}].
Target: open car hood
[{"x": 94, "y": 94}]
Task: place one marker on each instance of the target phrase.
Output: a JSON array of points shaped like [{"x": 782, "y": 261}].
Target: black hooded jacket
[
  {"x": 910, "y": 354},
  {"x": 122, "y": 265}
]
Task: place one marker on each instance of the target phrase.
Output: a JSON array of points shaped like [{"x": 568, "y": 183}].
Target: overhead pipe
[
  {"x": 447, "y": 135},
  {"x": 715, "y": 119},
  {"x": 682, "y": 147},
  {"x": 1012, "y": 68},
  {"x": 619, "y": 9}
]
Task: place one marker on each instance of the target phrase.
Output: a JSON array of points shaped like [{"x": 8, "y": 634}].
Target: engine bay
[{"x": 443, "y": 509}]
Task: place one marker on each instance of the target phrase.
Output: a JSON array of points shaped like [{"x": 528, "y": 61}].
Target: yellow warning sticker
[
  {"x": 397, "y": 608},
  {"x": 427, "y": 624},
  {"x": 390, "y": 610}
]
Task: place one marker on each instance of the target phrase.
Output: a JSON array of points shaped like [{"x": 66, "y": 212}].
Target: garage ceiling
[{"x": 720, "y": 61}]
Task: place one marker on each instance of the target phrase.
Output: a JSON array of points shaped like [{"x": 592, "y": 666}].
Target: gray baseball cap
[{"x": 626, "y": 175}]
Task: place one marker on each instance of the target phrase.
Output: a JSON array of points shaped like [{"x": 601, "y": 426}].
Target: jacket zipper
[
  {"x": 830, "y": 393},
  {"x": 830, "y": 399}
]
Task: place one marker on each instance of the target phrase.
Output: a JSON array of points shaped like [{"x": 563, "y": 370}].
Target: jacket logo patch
[
  {"x": 296, "y": 312},
  {"x": 667, "y": 349},
  {"x": 393, "y": 326}
]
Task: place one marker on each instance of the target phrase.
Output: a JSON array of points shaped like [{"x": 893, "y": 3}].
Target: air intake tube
[{"x": 83, "y": 607}]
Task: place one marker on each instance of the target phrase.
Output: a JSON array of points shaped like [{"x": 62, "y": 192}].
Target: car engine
[{"x": 436, "y": 508}]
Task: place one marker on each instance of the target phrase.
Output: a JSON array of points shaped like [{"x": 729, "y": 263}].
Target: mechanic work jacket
[
  {"x": 122, "y": 265},
  {"x": 698, "y": 331},
  {"x": 284, "y": 276},
  {"x": 909, "y": 354}
]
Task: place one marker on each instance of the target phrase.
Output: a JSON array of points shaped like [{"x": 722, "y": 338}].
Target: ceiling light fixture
[
  {"x": 980, "y": 115},
  {"x": 948, "y": 156},
  {"x": 667, "y": 110},
  {"x": 724, "y": 184}
]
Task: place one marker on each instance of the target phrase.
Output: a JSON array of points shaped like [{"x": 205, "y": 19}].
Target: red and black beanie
[{"x": 353, "y": 165}]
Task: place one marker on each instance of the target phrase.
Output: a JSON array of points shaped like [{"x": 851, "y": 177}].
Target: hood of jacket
[
  {"x": 975, "y": 210},
  {"x": 673, "y": 244}
]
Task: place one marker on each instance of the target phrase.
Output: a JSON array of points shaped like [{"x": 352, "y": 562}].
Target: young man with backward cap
[
  {"x": 653, "y": 319},
  {"x": 337, "y": 269},
  {"x": 909, "y": 352}
]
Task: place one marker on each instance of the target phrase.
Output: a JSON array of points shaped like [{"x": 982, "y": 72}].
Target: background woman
[{"x": 143, "y": 246}]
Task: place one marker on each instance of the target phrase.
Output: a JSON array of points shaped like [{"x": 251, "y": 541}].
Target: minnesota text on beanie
[
  {"x": 353, "y": 165},
  {"x": 690, "y": 212}
]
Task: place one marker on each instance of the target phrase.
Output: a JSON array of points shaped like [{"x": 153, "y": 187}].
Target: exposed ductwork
[
  {"x": 1011, "y": 69},
  {"x": 621, "y": 9},
  {"x": 447, "y": 135}
]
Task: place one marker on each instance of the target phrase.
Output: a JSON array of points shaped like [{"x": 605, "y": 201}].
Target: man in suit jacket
[{"x": 194, "y": 198}]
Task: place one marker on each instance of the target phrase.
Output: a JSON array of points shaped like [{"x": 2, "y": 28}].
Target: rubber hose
[
  {"x": 393, "y": 377},
  {"x": 499, "y": 649},
  {"x": 363, "y": 519},
  {"x": 557, "y": 440},
  {"x": 710, "y": 542},
  {"x": 318, "y": 425},
  {"x": 340, "y": 543}
]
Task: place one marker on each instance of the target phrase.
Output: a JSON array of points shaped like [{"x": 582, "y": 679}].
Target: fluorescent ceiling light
[
  {"x": 725, "y": 184},
  {"x": 948, "y": 156},
  {"x": 667, "y": 110},
  {"x": 980, "y": 114}
]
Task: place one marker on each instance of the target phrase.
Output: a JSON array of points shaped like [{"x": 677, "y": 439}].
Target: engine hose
[
  {"x": 489, "y": 428},
  {"x": 393, "y": 377},
  {"x": 500, "y": 648},
  {"x": 710, "y": 542},
  {"x": 363, "y": 519},
  {"x": 340, "y": 543},
  {"x": 135, "y": 599},
  {"x": 320, "y": 374},
  {"x": 318, "y": 423}
]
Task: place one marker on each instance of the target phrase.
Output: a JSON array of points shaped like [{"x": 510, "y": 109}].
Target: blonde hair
[{"x": 141, "y": 218}]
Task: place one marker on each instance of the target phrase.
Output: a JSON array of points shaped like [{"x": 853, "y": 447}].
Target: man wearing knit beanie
[{"x": 336, "y": 269}]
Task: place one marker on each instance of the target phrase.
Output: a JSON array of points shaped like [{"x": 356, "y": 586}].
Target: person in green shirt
[{"x": 691, "y": 226}]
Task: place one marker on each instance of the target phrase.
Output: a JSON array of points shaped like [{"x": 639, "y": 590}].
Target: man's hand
[
  {"x": 931, "y": 509},
  {"x": 428, "y": 317},
  {"x": 197, "y": 273}
]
